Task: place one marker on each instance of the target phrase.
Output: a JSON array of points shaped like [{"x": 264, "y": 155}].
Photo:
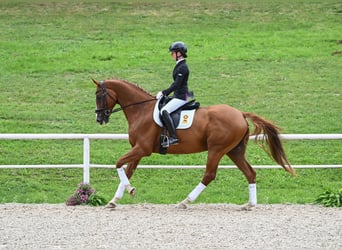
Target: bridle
[{"x": 105, "y": 111}]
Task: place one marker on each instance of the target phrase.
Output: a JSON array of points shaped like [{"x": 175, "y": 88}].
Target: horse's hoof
[
  {"x": 248, "y": 207},
  {"x": 132, "y": 191},
  {"x": 110, "y": 205},
  {"x": 181, "y": 206}
]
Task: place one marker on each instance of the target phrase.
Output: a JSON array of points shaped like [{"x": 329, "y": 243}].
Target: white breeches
[{"x": 172, "y": 105}]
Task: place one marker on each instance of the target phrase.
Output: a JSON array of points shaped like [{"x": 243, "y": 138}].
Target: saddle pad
[{"x": 185, "y": 120}]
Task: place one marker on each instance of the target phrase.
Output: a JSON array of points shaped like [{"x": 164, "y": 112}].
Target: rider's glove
[{"x": 159, "y": 95}]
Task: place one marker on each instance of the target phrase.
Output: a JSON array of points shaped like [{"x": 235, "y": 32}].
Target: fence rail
[{"x": 86, "y": 150}]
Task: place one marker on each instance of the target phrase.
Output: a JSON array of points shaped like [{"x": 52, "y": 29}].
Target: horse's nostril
[{"x": 99, "y": 120}]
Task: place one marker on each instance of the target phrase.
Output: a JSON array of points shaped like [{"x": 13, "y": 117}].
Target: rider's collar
[{"x": 180, "y": 60}]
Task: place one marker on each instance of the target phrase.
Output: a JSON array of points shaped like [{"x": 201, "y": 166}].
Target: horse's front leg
[
  {"x": 132, "y": 157},
  {"x": 124, "y": 183},
  {"x": 129, "y": 172}
]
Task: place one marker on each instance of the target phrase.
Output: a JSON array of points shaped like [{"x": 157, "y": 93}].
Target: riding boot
[{"x": 170, "y": 127}]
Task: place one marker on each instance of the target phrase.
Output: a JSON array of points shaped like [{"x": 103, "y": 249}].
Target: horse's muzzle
[
  {"x": 103, "y": 120},
  {"x": 102, "y": 116}
]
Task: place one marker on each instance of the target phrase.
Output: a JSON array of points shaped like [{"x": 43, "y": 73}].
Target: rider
[{"x": 179, "y": 87}]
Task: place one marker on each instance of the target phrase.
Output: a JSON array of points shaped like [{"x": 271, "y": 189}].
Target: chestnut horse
[{"x": 219, "y": 129}]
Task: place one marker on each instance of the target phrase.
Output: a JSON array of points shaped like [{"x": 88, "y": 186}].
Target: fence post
[{"x": 86, "y": 160}]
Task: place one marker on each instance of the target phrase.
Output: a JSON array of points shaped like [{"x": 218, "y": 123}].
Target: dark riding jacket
[{"x": 179, "y": 87}]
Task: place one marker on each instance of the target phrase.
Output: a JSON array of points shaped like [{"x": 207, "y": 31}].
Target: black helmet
[{"x": 179, "y": 46}]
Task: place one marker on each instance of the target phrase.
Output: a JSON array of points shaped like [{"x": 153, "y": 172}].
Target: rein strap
[{"x": 132, "y": 104}]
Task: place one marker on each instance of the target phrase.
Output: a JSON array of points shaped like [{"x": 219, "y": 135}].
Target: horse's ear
[{"x": 96, "y": 82}]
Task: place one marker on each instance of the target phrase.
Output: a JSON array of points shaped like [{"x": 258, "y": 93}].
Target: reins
[{"x": 132, "y": 104}]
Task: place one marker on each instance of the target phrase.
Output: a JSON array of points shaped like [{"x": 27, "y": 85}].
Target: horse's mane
[{"x": 134, "y": 85}]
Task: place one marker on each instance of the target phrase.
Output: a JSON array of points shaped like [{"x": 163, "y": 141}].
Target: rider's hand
[{"x": 159, "y": 95}]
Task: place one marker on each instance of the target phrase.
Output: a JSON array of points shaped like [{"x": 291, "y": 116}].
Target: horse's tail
[{"x": 271, "y": 137}]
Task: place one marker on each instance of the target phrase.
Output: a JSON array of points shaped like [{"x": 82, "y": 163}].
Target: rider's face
[{"x": 175, "y": 54}]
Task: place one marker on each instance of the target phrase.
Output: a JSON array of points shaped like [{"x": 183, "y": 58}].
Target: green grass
[
  {"x": 271, "y": 58},
  {"x": 169, "y": 186}
]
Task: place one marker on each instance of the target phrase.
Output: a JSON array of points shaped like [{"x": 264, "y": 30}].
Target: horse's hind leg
[
  {"x": 214, "y": 158},
  {"x": 237, "y": 155}
]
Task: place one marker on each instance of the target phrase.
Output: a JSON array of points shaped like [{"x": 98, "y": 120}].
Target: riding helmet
[{"x": 179, "y": 46}]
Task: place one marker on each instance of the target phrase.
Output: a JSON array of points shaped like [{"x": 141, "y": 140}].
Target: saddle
[{"x": 182, "y": 117}]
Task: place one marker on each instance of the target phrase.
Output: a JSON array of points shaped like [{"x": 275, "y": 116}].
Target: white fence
[{"x": 86, "y": 150}]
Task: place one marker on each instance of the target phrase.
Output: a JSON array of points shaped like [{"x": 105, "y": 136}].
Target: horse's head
[{"x": 105, "y": 101}]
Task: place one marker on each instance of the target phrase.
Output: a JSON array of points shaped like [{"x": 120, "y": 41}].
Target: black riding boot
[{"x": 170, "y": 127}]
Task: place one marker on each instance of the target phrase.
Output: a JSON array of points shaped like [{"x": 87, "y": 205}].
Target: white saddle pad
[{"x": 185, "y": 121}]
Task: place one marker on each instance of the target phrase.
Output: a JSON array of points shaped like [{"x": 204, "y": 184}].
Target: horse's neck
[
  {"x": 132, "y": 100},
  {"x": 128, "y": 93}
]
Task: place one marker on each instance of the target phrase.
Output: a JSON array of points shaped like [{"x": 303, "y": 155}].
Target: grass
[
  {"x": 169, "y": 186},
  {"x": 271, "y": 58}
]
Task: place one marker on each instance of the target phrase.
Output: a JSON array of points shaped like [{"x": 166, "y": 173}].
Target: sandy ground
[{"x": 146, "y": 226}]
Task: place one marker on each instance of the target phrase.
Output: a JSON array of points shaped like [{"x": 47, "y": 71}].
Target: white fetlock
[
  {"x": 183, "y": 205},
  {"x": 192, "y": 196}
]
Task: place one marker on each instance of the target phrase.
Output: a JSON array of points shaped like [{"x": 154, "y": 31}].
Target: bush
[
  {"x": 86, "y": 195},
  {"x": 330, "y": 198}
]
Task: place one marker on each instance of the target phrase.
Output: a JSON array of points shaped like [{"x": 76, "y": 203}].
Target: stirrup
[
  {"x": 167, "y": 141},
  {"x": 173, "y": 141}
]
